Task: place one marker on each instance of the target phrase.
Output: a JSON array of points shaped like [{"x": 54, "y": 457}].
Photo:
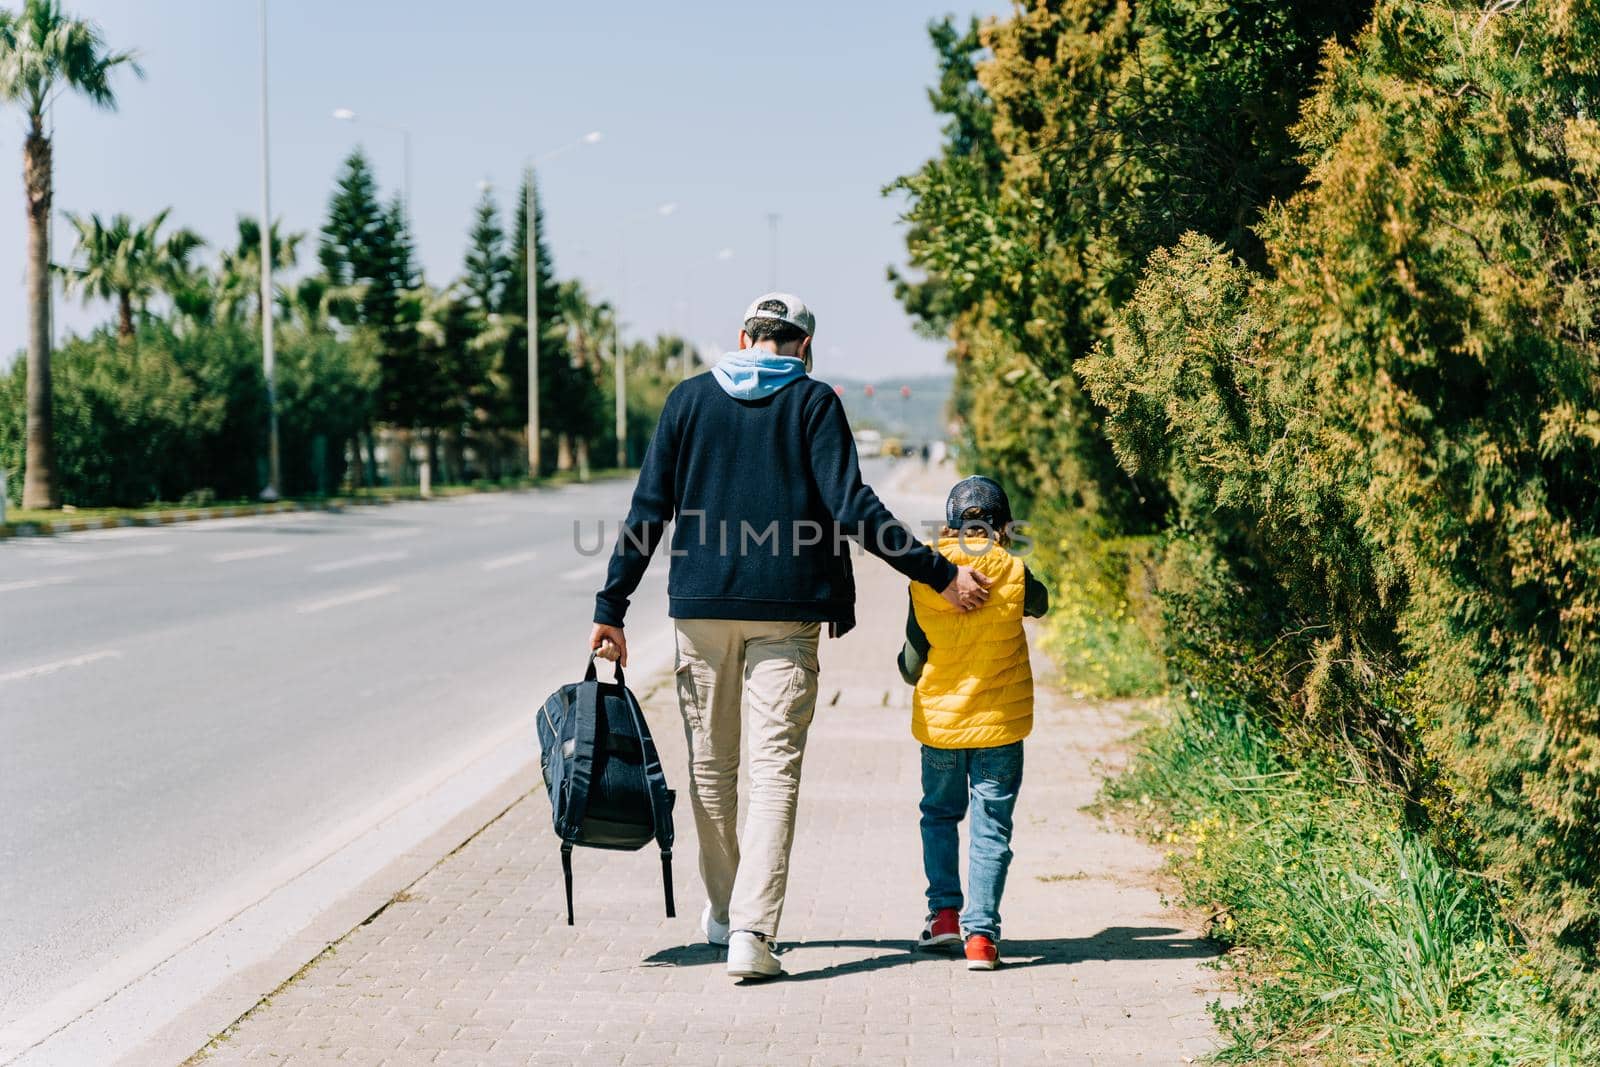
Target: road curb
[
  {"x": 236, "y": 511},
  {"x": 169, "y": 518}
]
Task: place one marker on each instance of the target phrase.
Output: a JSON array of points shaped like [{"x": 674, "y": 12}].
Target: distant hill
[{"x": 914, "y": 419}]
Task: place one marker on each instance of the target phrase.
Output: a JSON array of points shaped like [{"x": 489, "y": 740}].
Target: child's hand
[{"x": 969, "y": 590}]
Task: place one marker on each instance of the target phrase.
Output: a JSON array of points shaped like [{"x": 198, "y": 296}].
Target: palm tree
[
  {"x": 315, "y": 305},
  {"x": 128, "y": 264},
  {"x": 589, "y": 325},
  {"x": 240, "y": 269},
  {"x": 42, "y": 52}
]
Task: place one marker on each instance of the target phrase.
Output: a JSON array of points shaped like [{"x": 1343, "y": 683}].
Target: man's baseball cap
[{"x": 794, "y": 312}]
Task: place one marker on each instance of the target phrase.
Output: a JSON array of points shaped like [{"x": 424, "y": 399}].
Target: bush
[
  {"x": 325, "y": 391},
  {"x": 172, "y": 414},
  {"x": 1386, "y": 452},
  {"x": 129, "y": 421}
]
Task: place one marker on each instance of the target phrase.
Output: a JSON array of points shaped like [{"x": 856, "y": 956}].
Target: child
[{"x": 972, "y": 706}]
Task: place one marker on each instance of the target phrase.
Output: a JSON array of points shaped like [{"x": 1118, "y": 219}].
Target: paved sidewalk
[{"x": 475, "y": 964}]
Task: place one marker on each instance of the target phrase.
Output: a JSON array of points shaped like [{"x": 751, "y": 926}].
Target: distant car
[{"x": 869, "y": 443}]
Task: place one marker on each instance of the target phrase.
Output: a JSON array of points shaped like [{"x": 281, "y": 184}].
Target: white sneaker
[
  {"x": 749, "y": 956},
  {"x": 716, "y": 933}
]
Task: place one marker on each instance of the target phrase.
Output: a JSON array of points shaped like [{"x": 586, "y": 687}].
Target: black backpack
[{"x": 604, "y": 777}]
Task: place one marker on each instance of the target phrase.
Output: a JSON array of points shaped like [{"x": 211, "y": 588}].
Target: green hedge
[
  {"x": 171, "y": 414},
  {"x": 1386, "y": 447}
]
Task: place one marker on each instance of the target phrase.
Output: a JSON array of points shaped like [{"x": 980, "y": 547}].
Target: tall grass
[
  {"x": 1103, "y": 615},
  {"x": 1353, "y": 940}
]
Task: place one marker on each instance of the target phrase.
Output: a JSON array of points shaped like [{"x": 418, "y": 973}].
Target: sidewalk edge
[{"x": 190, "y": 1037}]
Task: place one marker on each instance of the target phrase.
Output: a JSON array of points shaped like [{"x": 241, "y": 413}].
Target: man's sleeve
[
  {"x": 856, "y": 508},
  {"x": 1035, "y": 596},
  {"x": 915, "y": 653},
  {"x": 651, "y": 510}
]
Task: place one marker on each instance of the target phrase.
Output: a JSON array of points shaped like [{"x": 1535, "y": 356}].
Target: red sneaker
[
  {"x": 942, "y": 928},
  {"x": 982, "y": 953}
]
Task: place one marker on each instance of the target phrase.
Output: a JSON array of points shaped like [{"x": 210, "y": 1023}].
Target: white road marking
[
  {"x": 215, "y": 527},
  {"x": 115, "y": 533},
  {"x": 70, "y": 557},
  {"x": 346, "y": 598},
  {"x": 146, "y": 550},
  {"x": 491, "y": 520},
  {"x": 593, "y": 570},
  {"x": 396, "y": 534},
  {"x": 509, "y": 561},
  {"x": 33, "y": 583},
  {"x": 250, "y": 553},
  {"x": 60, "y": 665},
  {"x": 357, "y": 561},
  {"x": 37, "y": 554}
]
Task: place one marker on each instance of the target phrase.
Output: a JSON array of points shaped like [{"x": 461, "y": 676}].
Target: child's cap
[{"x": 977, "y": 499}]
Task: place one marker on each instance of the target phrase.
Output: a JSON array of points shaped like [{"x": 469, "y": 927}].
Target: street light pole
[
  {"x": 532, "y": 236},
  {"x": 621, "y": 382},
  {"x": 772, "y": 234},
  {"x": 405, "y": 141},
  {"x": 344, "y": 114},
  {"x": 531, "y": 207},
  {"x": 665, "y": 209},
  {"x": 268, "y": 356}
]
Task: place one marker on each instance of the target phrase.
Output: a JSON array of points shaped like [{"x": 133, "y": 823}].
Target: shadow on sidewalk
[{"x": 1112, "y": 943}]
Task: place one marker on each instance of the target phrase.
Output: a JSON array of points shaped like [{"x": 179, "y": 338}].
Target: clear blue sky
[{"x": 731, "y": 108}]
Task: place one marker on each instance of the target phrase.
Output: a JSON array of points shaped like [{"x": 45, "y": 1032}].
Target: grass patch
[
  {"x": 1103, "y": 616},
  {"x": 1354, "y": 940}
]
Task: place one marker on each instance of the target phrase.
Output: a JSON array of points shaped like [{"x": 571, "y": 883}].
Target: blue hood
[{"x": 752, "y": 374}]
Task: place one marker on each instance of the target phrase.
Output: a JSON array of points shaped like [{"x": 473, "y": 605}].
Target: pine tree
[
  {"x": 487, "y": 268},
  {"x": 367, "y": 245},
  {"x": 355, "y": 216},
  {"x": 407, "y": 383}
]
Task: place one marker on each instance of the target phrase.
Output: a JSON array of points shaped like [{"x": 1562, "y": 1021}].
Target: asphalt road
[{"x": 182, "y": 707}]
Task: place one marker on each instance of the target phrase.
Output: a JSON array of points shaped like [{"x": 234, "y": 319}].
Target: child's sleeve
[
  {"x": 1035, "y": 596},
  {"x": 915, "y": 652}
]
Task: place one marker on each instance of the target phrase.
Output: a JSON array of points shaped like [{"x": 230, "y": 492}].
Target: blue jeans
[{"x": 992, "y": 776}]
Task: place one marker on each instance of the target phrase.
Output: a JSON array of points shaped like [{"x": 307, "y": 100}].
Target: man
[{"x": 756, "y": 464}]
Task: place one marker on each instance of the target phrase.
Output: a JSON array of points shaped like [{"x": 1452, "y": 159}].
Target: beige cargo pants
[{"x": 770, "y": 668}]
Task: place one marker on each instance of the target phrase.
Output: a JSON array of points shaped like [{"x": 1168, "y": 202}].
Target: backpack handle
[{"x": 590, "y": 674}]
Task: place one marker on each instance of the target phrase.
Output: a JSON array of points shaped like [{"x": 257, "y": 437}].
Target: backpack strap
[
  {"x": 566, "y": 875},
  {"x": 660, "y": 796},
  {"x": 666, "y": 881},
  {"x": 581, "y": 773}
]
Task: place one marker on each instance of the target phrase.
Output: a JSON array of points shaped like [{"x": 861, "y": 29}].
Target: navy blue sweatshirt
[{"x": 763, "y": 494}]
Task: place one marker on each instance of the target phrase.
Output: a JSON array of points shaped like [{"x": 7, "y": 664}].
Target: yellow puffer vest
[{"x": 976, "y": 689}]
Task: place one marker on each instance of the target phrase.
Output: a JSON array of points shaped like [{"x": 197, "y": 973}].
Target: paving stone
[{"x": 477, "y": 964}]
